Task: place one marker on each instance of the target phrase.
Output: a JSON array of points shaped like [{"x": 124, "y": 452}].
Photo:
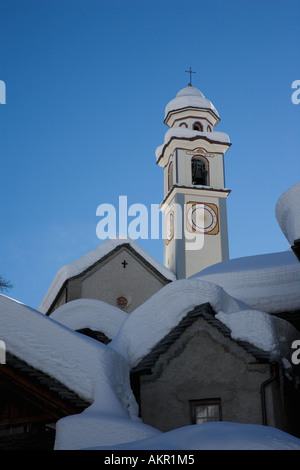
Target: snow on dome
[
  {"x": 287, "y": 212},
  {"x": 189, "y": 97},
  {"x": 189, "y": 91}
]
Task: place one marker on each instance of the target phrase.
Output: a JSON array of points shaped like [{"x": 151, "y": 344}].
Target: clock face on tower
[{"x": 202, "y": 218}]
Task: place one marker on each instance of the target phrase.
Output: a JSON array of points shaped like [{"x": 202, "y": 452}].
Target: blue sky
[{"x": 87, "y": 82}]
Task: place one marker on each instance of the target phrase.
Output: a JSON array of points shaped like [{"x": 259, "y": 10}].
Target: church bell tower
[{"x": 194, "y": 204}]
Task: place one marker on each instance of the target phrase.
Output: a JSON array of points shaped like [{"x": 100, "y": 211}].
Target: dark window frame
[
  {"x": 205, "y": 402},
  {"x": 198, "y": 126},
  {"x": 203, "y": 160}
]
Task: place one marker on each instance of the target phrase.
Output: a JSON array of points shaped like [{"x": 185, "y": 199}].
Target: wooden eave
[{"x": 53, "y": 398}]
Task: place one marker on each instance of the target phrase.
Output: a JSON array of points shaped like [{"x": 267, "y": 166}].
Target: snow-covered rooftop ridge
[
  {"x": 101, "y": 373},
  {"x": 90, "y": 313},
  {"x": 185, "y": 133},
  {"x": 84, "y": 365},
  {"x": 152, "y": 321},
  {"x": 41, "y": 342},
  {"x": 189, "y": 97},
  {"x": 80, "y": 265},
  {"x": 287, "y": 212},
  {"x": 268, "y": 282}
]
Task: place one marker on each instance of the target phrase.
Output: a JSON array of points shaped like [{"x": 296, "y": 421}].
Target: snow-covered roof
[
  {"x": 149, "y": 323},
  {"x": 96, "y": 373},
  {"x": 85, "y": 262},
  {"x": 101, "y": 373},
  {"x": 185, "y": 133},
  {"x": 90, "y": 313},
  {"x": 189, "y": 97},
  {"x": 47, "y": 345},
  {"x": 206, "y": 313},
  {"x": 287, "y": 213},
  {"x": 268, "y": 282}
]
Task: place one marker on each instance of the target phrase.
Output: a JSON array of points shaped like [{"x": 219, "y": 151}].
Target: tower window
[
  {"x": 183, "y": 124},
  {"x": 198, "y": 126},
  {"x": 199, "y": 171},
  {"x": 170, "y": 176},
  {"x": 208, "y": 129}
]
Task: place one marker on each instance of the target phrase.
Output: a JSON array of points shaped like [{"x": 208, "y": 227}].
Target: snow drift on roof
[
  {"x": 86, "y": 366},
  {"x": 148, "y": 324},
  {"x": 90, "y": 313},
  {"x": 73, "y": 359},
  {"x": 267, "y": 282},
  {"x": 287, "y": 213},
  {"x": 100, "y": 373}
]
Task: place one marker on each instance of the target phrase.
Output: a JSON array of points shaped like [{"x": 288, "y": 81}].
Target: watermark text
[
  {"x": 296, "y": 353},
  {"x": 164, "y": 222},
  {"x": 296, "y": 94},
  {"x": 2, "y": 92},
  {"x": 2, "y": 352}
]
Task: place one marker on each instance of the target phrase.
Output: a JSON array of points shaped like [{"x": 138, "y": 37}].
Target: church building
[
  {"x": 194, "y": 216},
  {"x": 196, "y": 339}
]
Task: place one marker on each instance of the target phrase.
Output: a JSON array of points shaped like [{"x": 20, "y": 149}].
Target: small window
[
  {"x": 206, "y": 411},
  {"x": 170, "y": 176},
  {"x": 208, "y": 129},
  {"x": 183, "y": 124},
  {"x": 198, "y": 126}
]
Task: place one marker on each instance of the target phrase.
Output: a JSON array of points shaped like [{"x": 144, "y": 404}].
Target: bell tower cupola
[{"x": 194, "y": 204}]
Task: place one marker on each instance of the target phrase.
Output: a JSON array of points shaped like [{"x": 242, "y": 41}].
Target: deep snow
[
  {"x": 100, "y": 373},
  {"x": 217, "y": 436},
  {"x": 287, "y": 212},
  {"x": 268, "y": 282}
]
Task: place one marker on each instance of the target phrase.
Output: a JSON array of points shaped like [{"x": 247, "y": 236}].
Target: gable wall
[
  {"x": 203, "y": 364},
  {"x": 109, "y": 280}
]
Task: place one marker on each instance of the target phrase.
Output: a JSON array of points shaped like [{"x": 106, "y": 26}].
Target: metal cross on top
[{"x": 190, "y": 72}]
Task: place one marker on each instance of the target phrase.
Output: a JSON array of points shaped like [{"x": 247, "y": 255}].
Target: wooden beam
[{"x": 41, "y": 397}]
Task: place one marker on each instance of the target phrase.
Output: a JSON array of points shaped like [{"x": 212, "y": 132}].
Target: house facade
[{"x": 198, "y": 373}]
